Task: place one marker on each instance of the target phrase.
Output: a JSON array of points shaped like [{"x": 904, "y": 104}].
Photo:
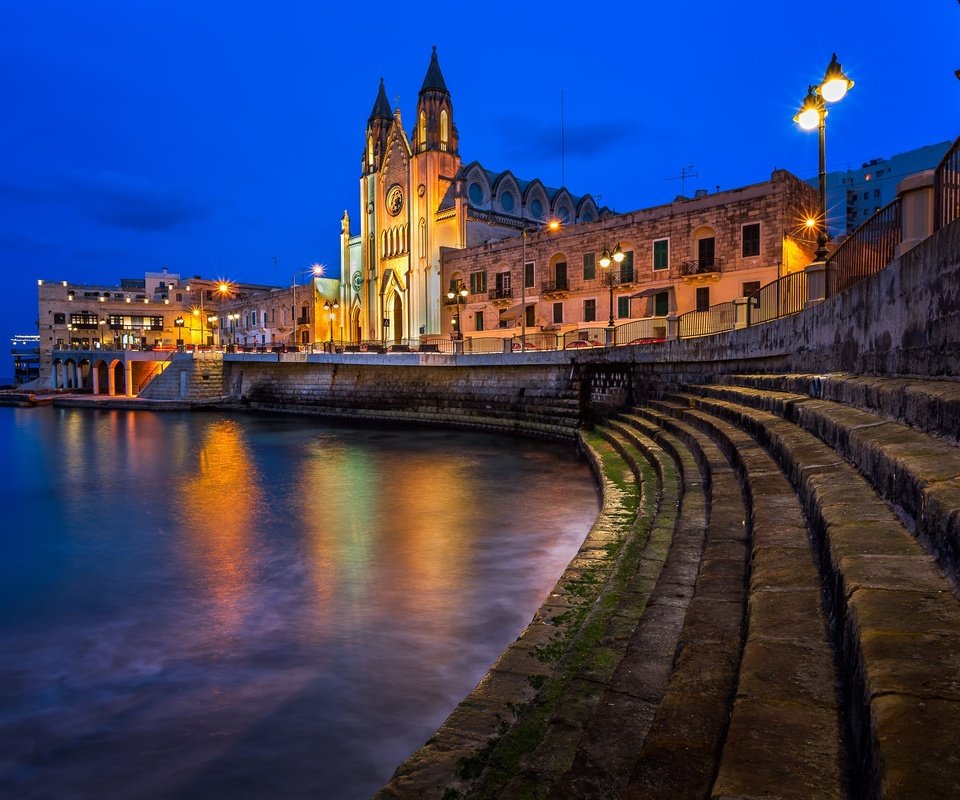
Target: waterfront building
[
  {"x": 853, "y": 195},
  {"x": 159, "y": 311},
  {"x": 25, "y": 349},
  {"x": 416, "y": 197},
  {"x": 682, "y": 256}
]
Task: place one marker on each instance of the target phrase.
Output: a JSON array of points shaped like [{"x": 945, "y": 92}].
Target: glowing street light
[
  {"x": 456, "y": 293},
  {"x": 316, "y": 270},
  {"x": 605, "y": 260},
  {"x": 329, "y": 308},
  {"x": 813, "y": 114}
]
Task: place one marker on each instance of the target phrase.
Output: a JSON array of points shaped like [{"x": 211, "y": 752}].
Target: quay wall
[{"x": 904, "y": 320}]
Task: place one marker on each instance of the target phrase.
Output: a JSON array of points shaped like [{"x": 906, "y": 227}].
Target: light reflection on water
[{"x": 199, "y": 606}]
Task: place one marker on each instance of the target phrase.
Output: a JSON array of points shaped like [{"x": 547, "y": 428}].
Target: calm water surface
[{"x": 213, "y": 606}]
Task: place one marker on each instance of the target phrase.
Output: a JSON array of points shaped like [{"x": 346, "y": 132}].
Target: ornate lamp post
[
  {"x": 178, "y": 324},
  {"x": 605, "y": 260},
  {"x": 455, "y": 294},
  {"x": 212, "y": 325},
  {"x": 234, "y": 318},
  {"x": 813, "y": 114},
  {"x": 329, "y": 308}
]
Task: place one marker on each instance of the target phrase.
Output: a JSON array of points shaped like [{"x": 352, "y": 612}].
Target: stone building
[
  {"x": 156, "y": 312},
  {"x": 416, "y": 197},
  {"x": 683, "y": 256}
]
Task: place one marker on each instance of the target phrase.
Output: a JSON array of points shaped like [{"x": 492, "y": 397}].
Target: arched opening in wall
[
  {"x": 71, "y": 369},
  {"x": 119, "y": 378},
  {"x": 444, "y": 129},
  {"x": 84, "y": 380},
  {"x": 558, "y": 272},
  {"x": 355, "y": 329},
  {"x": 704, "y": 247},
  {"x": 101, "y": 377},
  {"x": 456, "y": 280},
  {"x": 423, "y": 131},
  {"x": 423, "y": 238},
  {"x": 393, "y": 318}
]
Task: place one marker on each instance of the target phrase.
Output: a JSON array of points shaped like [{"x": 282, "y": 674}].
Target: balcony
[
  {"x": 501, "y": 296},
  {"x": 555, "y": 287},
  {"x": 701, "y": 271}
]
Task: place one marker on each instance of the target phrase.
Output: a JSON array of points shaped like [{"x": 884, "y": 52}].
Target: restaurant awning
[
  {"x": 511, "y": 313},
  {"x": 651, "y": 292}
]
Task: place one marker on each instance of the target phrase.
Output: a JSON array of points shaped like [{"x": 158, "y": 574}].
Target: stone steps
[
  {"x": 896, "y": 617},
  {"x": 784, "y": 738},
  {"x": 603, "y": 763},
  {"x": 679, "y": 756},
  {"x": 917, "y": 473}
]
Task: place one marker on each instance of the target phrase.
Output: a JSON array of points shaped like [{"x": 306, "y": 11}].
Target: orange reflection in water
[{"x": 219, "y": 512}]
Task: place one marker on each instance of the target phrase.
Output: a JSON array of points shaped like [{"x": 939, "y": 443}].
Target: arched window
[
  {"x": 370, "y": 151},
  {"x": 423, "y": 238},
  {"x": 536, "y": 209},
  {"x": 506, "y": 200},
  {"x": 444, "y": 127},
  {"x": 475, "y": 190},
  {"x": 423, "y": 131}
]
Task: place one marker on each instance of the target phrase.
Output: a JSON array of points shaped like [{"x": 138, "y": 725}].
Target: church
[{"x": 416, "y": 197}]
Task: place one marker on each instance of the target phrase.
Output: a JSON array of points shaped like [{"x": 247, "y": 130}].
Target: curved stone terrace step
[
  {"x": 930, "y": 405},
  {"x": 613, "y": 622},
  {"x": 785, "y": 737},
  {"x": 613, "y": 736},
  {"x": 477, "y": 749},
  {"x": 680, "y": 755},
  {"x": 897, "y": 616},
  {"x": 915, "y": 472}
]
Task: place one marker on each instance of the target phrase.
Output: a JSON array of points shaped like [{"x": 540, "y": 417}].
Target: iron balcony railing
[
  {"x": 504, "y": 293},
  {"x": 946, "y": 188},
  {"x": 701, "y": 267},
  {"x": 560, "y": 285},
  {"x": 867, "y": 250},
  {"x": 784, "y": 296}
]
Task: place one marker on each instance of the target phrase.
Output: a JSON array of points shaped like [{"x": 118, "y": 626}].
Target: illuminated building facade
[{"x": 417, "y": 197}]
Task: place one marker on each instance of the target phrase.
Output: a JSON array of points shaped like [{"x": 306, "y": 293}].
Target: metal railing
[
  {"x": 784, "y": 296},
  {"x": 501, "y": 294},
  {"x": 867, "y": 250},
  {"x": 534, "y": 341},
  {"x": 641, "y": 331},
  {"x": 716, "y": 319},
  {"x": 584, "y": 337},
  {"x": 946, "y": 188},
  {"x": 698, "y": 267},
  {"x": 563, "y": 285},
  {"x": 483, "y": 344}
]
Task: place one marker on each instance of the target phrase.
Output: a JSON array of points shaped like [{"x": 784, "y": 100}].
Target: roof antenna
[
  {"x": 685, "y": 172},
  {"x": 563, "y": 176}
]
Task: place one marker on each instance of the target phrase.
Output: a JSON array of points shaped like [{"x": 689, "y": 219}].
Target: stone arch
[
  {"x": 563, "y": 207},
  {"x": 506, "y": 191},
  {"x": 119, "y": 375},
  {"x": 536, "y": 204},
  {"x": 477, "y": 185},
  {"x": 84, "y": 374},
  {"x": 393, "y": 311},
  {"x": 587, "y": 210}
]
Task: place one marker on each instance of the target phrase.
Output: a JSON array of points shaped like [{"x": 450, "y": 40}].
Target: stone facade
[{"x": 678, "y": 257}]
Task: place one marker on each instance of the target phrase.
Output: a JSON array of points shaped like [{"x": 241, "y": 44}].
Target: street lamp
[
  {"x": 456, "y": 293},
  {"x": 329, "y": 308},
  {"x": 178, "y": 324},
  {"x": 605, "y": 260},
  {"x": 317, "y": 272},
  {"x": 234, "y": 318},
  {"x": 212, "y": 325},
  {"x": 813, "y": 114}
]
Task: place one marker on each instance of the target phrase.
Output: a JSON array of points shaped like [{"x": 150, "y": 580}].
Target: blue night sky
[{"x": 213, "y": 137}]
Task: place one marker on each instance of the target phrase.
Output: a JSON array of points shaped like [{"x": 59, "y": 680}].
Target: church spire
[
  {"x": 381, "y": 106},
  {"x": 433, "y": 80},
  {"x": 434, "y": 127}
]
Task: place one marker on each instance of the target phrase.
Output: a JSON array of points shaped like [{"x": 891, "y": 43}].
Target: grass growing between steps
[{"x": 496, "y": 770}]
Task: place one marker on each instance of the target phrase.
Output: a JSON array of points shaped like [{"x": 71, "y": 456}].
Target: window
[
  {"x": 626, "y": 267},
  {"x": 478, "y": 282},
  {"x": 507, "y": 201},
  {"x": 866, "y": 195},
  {"x": 749, "y": 287},
  {"x": 116, "y": 321},
  {"x": 528, "y": 276},
  {"x": 444, "y": 127},
  {"x": 531, "y": 314},
  {"x": 660, "y": 304},
  {"x": 560, "y": 271},
  {"x": 253, "y": 317},
  {"x": 706, "y": 251},
  {"x": 478, "y": 321},
  {"x": 475, "y": 190},
  {"x": 503, "y": 285},
  {"x": 876, "y": 193},
  {"x": 590, "y": 310},
  {"x": 589, "y": 266},
  {"x": 536, "y": 209},
  {"x": 623, "y": 307},
  {"x": 557, "y": 313},
  {"x": 751, "y": 240},
  {"x": 661, "y": 253},
  {"x": 703, "y": 298},
  {"x": 59, "y": 319},
  {"x": 156, "y": 323}
]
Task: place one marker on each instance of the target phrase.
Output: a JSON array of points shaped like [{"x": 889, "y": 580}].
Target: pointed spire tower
[
  {"x": 434, "y": 128},
  {"x": 378, "y": 126}
]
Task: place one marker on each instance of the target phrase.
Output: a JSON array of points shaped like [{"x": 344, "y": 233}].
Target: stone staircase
[
  {"x": 193, "y": 377},
  {"x": 766, "y": 607}
]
